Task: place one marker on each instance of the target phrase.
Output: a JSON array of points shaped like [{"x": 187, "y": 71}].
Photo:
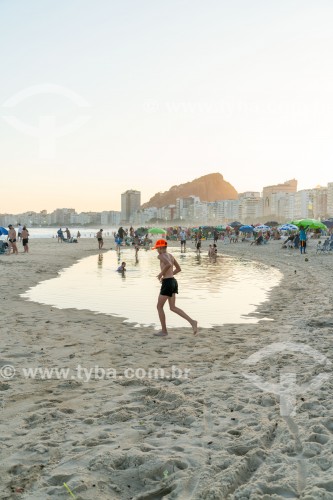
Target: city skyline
[
  {"x": 160, "y": 93},
  {"x": 281, "y": 202},
  {"x": 86, "y": 209}
]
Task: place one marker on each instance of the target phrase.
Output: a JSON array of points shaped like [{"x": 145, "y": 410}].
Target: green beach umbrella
[
  {"x": 156, "y": 230},
  {"x": 309, "y": 223}
]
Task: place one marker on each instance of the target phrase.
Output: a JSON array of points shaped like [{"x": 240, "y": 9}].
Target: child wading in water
[{"x": 169, "y": 288}]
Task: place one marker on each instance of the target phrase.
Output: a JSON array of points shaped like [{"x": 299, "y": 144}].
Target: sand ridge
[{"x": 211, "y": 435}]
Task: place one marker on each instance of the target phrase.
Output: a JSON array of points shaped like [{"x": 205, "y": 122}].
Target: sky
[{"x": 97, "y": 97}]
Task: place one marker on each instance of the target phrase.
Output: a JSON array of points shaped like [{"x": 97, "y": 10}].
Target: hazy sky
[{"x": 146, "y": 94}]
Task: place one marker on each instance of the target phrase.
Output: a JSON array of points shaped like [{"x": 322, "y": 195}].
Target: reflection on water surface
[{"x": 214, "y": 293}]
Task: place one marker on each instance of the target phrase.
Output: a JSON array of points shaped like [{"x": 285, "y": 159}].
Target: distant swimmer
[
  {"x": 122, "y": 268},
  {"x": 169, "y": 288}
]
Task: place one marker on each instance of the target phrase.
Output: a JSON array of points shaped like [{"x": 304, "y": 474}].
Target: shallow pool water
[{"x": 214, "y": 293}]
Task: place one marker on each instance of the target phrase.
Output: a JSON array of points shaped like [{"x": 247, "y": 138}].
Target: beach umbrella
[
  {"x": 288, "y": 227},
  {"x": 328, "y": 223},
  {"x": 220, "y": 228},
  {"x": 156, "y": 230},
  {"x": 272, "y": 223},
  {"x": 3, "y": 231},
  {"x": 246, "y": 229},
  {"x": 262, "y": 227},
  {"x": 235, "y": 224},
  {"x": 309, "y": 223}
]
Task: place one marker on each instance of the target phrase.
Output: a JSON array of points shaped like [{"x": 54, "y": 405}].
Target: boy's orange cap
[{"x": 160, "y": 244}]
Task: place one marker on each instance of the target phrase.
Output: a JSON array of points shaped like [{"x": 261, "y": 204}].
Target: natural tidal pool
[{"x": 214, "y": 293}]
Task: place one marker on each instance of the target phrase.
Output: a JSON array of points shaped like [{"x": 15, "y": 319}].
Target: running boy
[{"x": 169, "y": 288}]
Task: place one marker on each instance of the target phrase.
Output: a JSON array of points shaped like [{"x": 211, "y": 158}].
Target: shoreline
[{"x": 222, "y": 435}]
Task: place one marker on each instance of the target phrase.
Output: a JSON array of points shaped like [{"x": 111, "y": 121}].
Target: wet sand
[{"x": 212, "y": 434}]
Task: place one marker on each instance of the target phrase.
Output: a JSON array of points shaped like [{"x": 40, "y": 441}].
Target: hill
[{"x": 211, "y": 187}]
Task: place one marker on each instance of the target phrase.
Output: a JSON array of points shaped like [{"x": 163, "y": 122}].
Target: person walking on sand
[
  {"x": 60, "y": 235},
  {"x": 25, "y": 239},
  {"x": 302, "y": 239},
  {"x": 99, "y": 237},
  {"x": 12, "y": 239},
  {"x": 19, "y": 231},
  {"x": 169, "y": 288},
  {"x": 68, "y": 233}
]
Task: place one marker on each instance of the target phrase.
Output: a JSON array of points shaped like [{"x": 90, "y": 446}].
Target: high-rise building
[
  {"x": 270, "y": 199},
  {"x": 185, "y": 207},
  {"x": 319, "y": 196},
  {"x": 250, "y": 207},
  {"x": 304, "y": 204},
  {"x": 330, "y": 199},
  {"x": 130, "y": 203},
  {"x": 110, "y": 218},
  {"x": 62, "y": 216}
]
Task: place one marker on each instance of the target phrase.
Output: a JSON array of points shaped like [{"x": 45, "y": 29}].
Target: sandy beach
[{"x": 215, "y": 432}]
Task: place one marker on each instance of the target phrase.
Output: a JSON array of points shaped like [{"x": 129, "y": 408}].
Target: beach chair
[
  {"x": 323, "y": 247},
  {"x": 3, "y": 247},
  {"x": 326, "y": 245}
]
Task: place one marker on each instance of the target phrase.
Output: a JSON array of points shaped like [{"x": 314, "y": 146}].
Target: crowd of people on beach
[{"x": 141, "y": 238}]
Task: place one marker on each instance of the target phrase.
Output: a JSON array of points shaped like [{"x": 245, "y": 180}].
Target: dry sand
[{"x": 213, "y": 435}]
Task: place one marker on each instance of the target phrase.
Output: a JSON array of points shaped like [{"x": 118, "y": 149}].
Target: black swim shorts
[
  {"x": 169, "y": 287},
  {"x": 25, "y": 241}
]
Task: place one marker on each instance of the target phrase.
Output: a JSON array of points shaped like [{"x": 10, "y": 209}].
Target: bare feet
[
  {"x": 195, "y": 327},
  {"x": 161, "y": 334}
]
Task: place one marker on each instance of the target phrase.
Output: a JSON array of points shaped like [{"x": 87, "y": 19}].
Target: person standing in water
[
  {"x": 99, "y": 237},
  {"x": 182, "y": 236},
  {"x": 169, "y": 267}
]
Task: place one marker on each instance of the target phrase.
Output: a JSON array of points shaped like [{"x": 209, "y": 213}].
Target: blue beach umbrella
[
  {"x": 262, "y": 227},
  {"x": 3, "y": 231},
  {"x": 288, "y": 227},
  {"x": 246, "y": 229}
]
